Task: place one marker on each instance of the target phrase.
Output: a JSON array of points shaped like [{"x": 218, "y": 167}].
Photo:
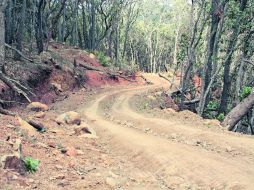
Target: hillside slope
[{"x": 129, "y": 149}]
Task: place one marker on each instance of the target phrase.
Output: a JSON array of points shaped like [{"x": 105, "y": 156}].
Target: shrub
[
  {"x": 31, "y": 164},
  {"x": 245, "y": 92},
  {"x": 221, "y": 117},
  {"x": 213, "y": 105},
  {"x": 211, "y": 109},
  {"x": 104, "y": 60}
]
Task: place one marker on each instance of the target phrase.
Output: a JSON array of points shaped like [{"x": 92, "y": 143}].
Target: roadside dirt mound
[
  {"x": 93, "y": 78},
  {"x": 58, "y": 71},
  {"x": 70, "y": 53},
  {"x": 190, "y": 115}
]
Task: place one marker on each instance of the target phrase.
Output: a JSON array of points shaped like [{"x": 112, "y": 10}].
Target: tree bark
[
  {"x": 20, "y": 33},
  {"x": 227, "y": 64},
  {"x": 2, "y": 33},
  {"x": 84, "y": 28},
  {"x": 38, "y": 28},
  {"x": 238, "y": 112},
  {"x": 9, "y": 22},
  {"x": 92, "y": 27}
]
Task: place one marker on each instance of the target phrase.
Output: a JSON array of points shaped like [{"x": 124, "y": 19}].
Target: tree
[
  {"x": 238, "y": 112},
  {"x": 39, "y": 26},
  {"x": 21, "y": 26},
  {"x": 2, "y": 33},
  {"x": 229, "y": 53}
]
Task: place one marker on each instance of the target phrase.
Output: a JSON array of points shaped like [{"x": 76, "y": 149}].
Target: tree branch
[{"x": 19, "y": 52}]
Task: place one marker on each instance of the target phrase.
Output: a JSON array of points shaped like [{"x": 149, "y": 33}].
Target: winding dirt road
[{"x": 171, "y": 155}]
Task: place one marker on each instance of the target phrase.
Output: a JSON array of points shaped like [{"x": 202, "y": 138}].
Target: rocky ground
[{"x": 117, "y": 134}]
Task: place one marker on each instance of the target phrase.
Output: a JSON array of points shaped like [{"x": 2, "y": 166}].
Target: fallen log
[
  {"x": 238, "y": 112},
  {"x": 160, "y": 75},
  {"x": 9, "y": 82},
  {"x": 19, "y": 52},
  {"x": 37, "y": 125},
  {"x": 92, "y": 68},
  {"x": 6, "y": 112},
  {"x": 178, "y": 89},
  {"x": 88, "y": 67},
  {"x": 191, "y": 102}
]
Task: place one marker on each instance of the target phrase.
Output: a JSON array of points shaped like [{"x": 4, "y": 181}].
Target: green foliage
[
  {"x": 31, "y": 164},
  {"x": 210, "y": 111},
  {"x": 184, "y": 42},
  {"x": 104, "y": 60},
  {"x": 221, "y": 117},
  {"x": 245, "y": 92},
  {"x": 213, "y": 105},
  {"x": 146, "y": 105}
]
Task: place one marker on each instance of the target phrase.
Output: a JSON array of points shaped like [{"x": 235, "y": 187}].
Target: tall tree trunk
[
  {"x": 9, "y": 20},
  {"x": 38, "y": 28},
  {"x": 227, "y": 63},
  {"x": 116, "y": 29},
  {"x": 127, "y": 29},
  {"x": 177, "y": 34},
  {"x": 75, "y": 23},
  {"x": 62, "y": 30},
  {"x": 84, "y": 28},
  {"x": 204, "y": 97},
  {"x": 92, "y": 27},
  {"x": 2, "y": 33},
  {"x": 20, "y": 33},
  {"x": 216, "y": 11}
]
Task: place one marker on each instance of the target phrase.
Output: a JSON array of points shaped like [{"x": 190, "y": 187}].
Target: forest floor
[{"x": 137, "y": 145}]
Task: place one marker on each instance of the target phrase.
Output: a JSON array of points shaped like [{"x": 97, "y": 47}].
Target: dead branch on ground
[
  {"x": 9, "y": 82},
  {"x": 92, "y": 68},
  {"x": 19, "y": 52},
  {"x": 6, "y": 112}
]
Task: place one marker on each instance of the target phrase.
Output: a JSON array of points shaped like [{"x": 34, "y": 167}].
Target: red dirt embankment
[
  {"x": 55, "y": 72},
  {"x": 93, "y": 78}
]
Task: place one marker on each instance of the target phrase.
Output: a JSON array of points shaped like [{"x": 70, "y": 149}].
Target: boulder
[
  {"x": 40, "y": 115},
  {"x": 14, "y": 161},
  {"x": 27, "y": 127},
  {"x": 37, "y": 106},
  {"x": 72, "y": 118},
  {"x": 85, "y": 131},
  {"x": 56, "y": 87},
  {"x": 92, "y": 56}
]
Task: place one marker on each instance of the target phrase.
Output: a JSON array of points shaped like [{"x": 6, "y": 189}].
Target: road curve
[{"x": 179, "y": 164}]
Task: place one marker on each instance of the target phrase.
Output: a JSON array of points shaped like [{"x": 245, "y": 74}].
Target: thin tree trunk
[
  {"x": 38, "y": 28},
  {"x": 228, "y": 60},
  {"x": 84, "y": 28},
  {"x": 9, "y": 21},
  {"x": 2, "y": 33},
  {"x": 92, "y": 27},
  {"x": 20, "y": 33},
  {"x": 204, "y": 97}
]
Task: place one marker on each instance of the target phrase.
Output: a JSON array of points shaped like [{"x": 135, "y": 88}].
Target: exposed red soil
[{"x": 64, "y": 77}]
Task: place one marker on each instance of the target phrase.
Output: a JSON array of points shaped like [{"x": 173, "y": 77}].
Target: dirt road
[{"x": 167, "y": 154}]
